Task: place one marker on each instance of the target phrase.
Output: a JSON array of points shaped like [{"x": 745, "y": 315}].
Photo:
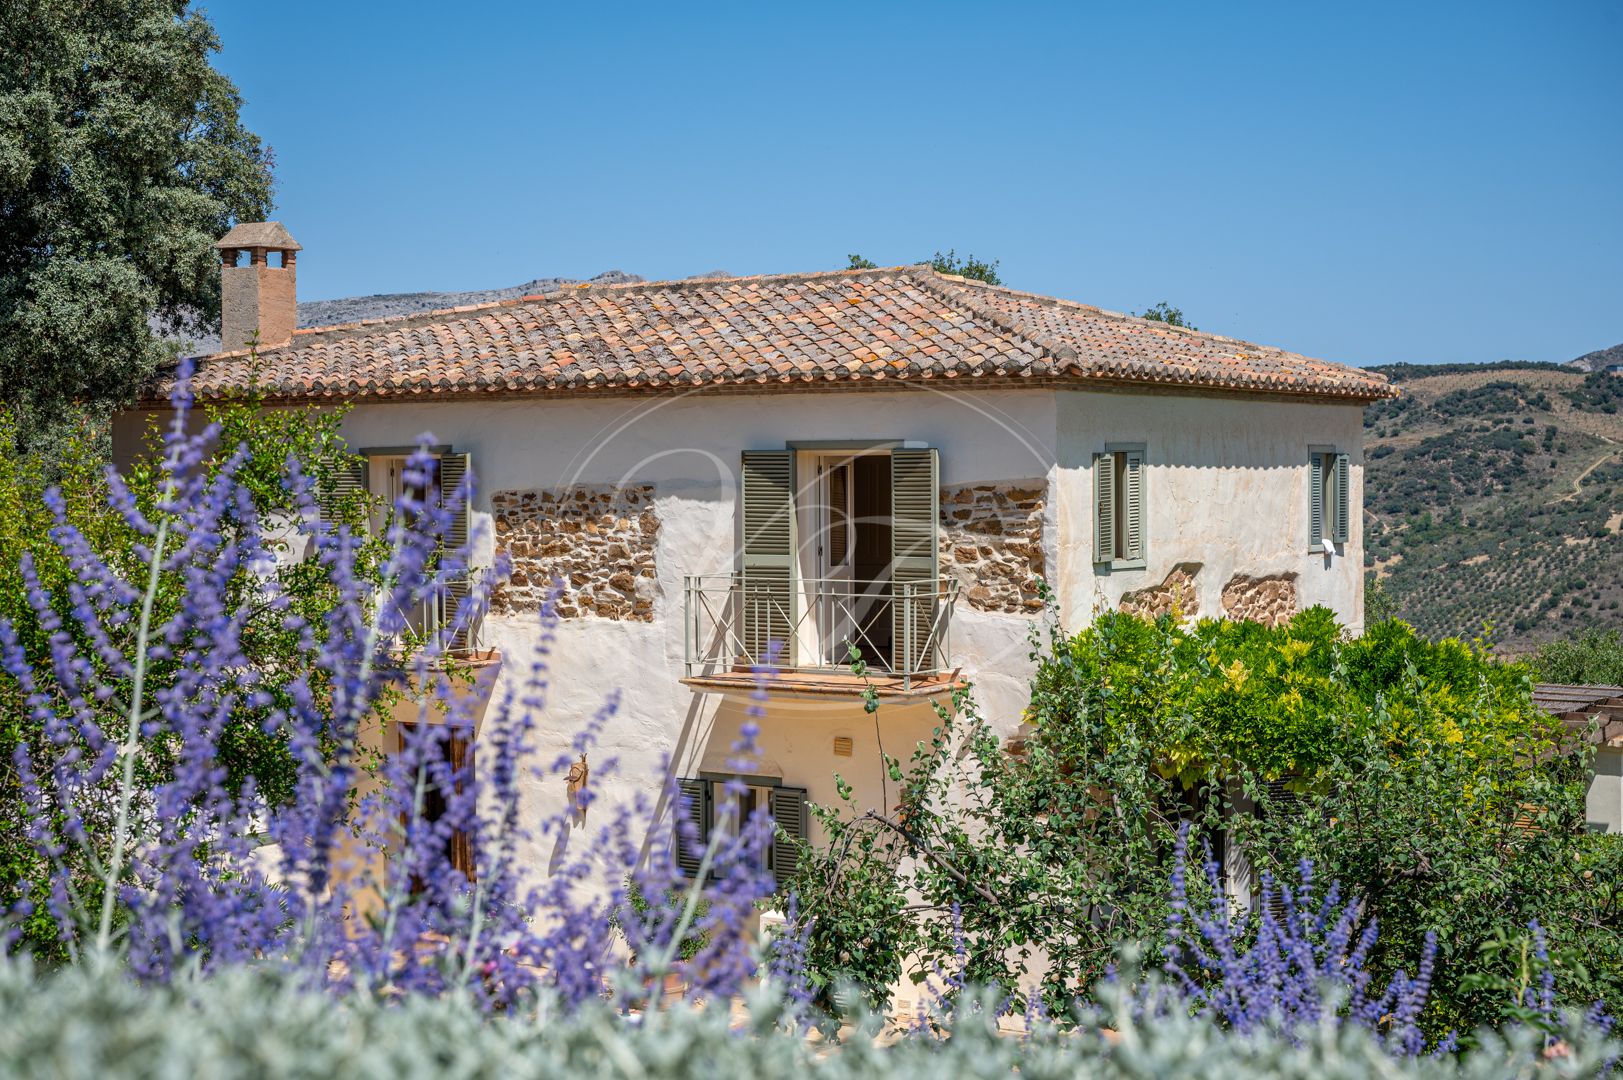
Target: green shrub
[
  {"x": 1418, "y": 774},
  {"x": 1593, "y": 658},
  {"x": 246, "y": 1025}
]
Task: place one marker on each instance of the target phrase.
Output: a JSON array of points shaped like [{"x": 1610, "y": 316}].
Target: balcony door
[
  {"x": 831, "y": 538},
  {"x": 844, "y": 559}
]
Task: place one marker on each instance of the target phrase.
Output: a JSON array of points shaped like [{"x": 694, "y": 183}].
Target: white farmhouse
[{"x": 890, "y": 458}]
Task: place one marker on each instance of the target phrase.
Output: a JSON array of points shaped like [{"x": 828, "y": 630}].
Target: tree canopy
[
  {"x": 950, "y": 263},
  {"x": 123, "y": 158},
  {"x": 1165, "y": 312}
]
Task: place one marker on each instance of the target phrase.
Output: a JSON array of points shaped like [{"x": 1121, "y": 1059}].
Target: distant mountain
[
  {"x": 1598, "y": 360},
  {"x": 355, "y": 308},
  {"x": 1493, "y": 493}
]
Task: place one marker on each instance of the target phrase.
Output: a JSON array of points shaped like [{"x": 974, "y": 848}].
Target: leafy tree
[
  {"x": 968, "y": 267},
  {"x": 1592, "y": 658},
  {"x": 950, "y": 263},
  {"x": 122, "y": 160},
  {"x": 1166, "y": 313}
]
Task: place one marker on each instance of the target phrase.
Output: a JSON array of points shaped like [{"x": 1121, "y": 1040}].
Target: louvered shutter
[
  {"x": 1343, "y": 508},
  {"x": 839, "y": 522},
  {"x": 915, "y": 509},
  {"x": 1104, "y": 508},
  {"x": 767, "y": 598},
  {"x": 1132, "y": 505},
  {"x": 349, "y": 482},
  {"x": 789, "y": 815},
  {"x": 454, "y": 469},
  {"x": 695, "y": 808},
  {"x": 1286, "y": 806},
  {"x": 1316, "y": 530}
]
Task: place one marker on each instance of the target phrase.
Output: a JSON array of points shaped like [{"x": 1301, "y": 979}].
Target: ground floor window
[
  {"x": 455, "y": 749},
  {"x": 710, "y": 806}
]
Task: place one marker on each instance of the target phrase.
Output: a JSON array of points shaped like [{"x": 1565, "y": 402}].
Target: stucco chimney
[{"x": 257, "y": 297}]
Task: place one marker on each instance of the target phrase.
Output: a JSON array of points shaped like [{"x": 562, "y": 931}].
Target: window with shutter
[
  {"x": 1329, "y": 497},
  {"x": 1119, "y": 511},
  {"x": 1315, "y": 513},
  {"x": 767, "y": 597},
  {"x": 1343, "y": 499},
  {"x": 1132, "y": 506},
  {"x": 839, "y": 521},
  {"x": 695, "y": 808},
  {"x": 1104, "y": 508},
  {"x": 349, "y": 482},
  {"x": 789, "y": 815},
  {"x": 455, "y": 471},
  {"x": 1283, "y": 805},
  {"x": 915, "y": 510}
]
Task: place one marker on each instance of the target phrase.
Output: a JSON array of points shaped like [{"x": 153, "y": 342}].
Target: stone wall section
[
  {"x": 1176, "y": 595},
  {"x": 992, "y": 543},
  {"x": 1270, "y": 600},
  {"x": 598, "y": 541}
]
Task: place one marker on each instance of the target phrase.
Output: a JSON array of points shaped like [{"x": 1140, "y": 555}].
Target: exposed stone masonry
[
  {"x": 1176, "y": 594},
  {"x": 1270, "y": 600},
  {"x": 599, "y": 541},
  {"x": 992, "y": 542}
]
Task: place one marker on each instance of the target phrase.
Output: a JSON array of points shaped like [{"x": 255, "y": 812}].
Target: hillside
[
  {"x": 1494, "y": 494},
  {"x": 1599, "y": 359}
]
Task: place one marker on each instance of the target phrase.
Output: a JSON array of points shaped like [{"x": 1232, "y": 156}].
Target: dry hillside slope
[{"x": 1494, "y": 495}]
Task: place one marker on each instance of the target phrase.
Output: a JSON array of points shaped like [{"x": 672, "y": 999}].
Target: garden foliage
[
  {"x": 1417, "y": 775},
  {"x": 249, "y": 1024},
  {"x": 148, "y": 850}
]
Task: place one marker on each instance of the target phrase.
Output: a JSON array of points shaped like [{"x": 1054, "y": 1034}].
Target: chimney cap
[{"x": 259, "y": 234}]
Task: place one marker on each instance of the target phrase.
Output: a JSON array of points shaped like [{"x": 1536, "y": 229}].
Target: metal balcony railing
[{"x": 735, "y": 623}]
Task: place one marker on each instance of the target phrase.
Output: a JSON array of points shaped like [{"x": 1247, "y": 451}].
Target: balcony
[{"x": 804, "y": 629}]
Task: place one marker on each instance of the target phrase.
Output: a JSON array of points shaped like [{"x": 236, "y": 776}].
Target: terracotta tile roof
[
  {"x": 1579, "y": 706},
  {"x": 905, "y": 324}
]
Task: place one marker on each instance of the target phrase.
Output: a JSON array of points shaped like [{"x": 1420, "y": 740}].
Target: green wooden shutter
[
  {"x": 789, "y": 815},
  {"x": 915, "y": 510},
  {"x": 350, "y": 482},
  {"x": 1132, "y": 504},
  {"x": 1343, "y": 509},
  {"x": 1104, "y": 508},
  {"x": 453, "y": 470},
  {"x": 839, "y": 525},
  {"x": 768, "y": 595},
  {"x": 695, "y": 807},
  {"x": 1315, "y": 528}
]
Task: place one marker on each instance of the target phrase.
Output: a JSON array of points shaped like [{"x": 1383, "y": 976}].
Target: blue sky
[{"x": 1367, "y": 183}]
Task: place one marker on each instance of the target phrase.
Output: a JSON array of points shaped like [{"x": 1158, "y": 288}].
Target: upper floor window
[
  {"x": 384, "y": 473},
  {"x": 1330, "y": 502},
  {"x": 1118, "y": 506}
]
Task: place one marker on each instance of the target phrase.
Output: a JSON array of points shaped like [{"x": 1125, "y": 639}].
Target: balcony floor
[{"x": 826, "y": 684}]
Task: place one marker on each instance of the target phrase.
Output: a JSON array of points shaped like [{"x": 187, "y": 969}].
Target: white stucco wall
[{"x": 1226, "y": 485}]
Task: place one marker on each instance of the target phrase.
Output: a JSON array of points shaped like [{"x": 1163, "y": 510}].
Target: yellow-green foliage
[{"x": 1289, "y": 701}]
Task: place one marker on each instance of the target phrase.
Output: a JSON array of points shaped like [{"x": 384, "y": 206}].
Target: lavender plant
[
  {"x": 158, "y": 859},
  {"x": 1296, "y": 961}
]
